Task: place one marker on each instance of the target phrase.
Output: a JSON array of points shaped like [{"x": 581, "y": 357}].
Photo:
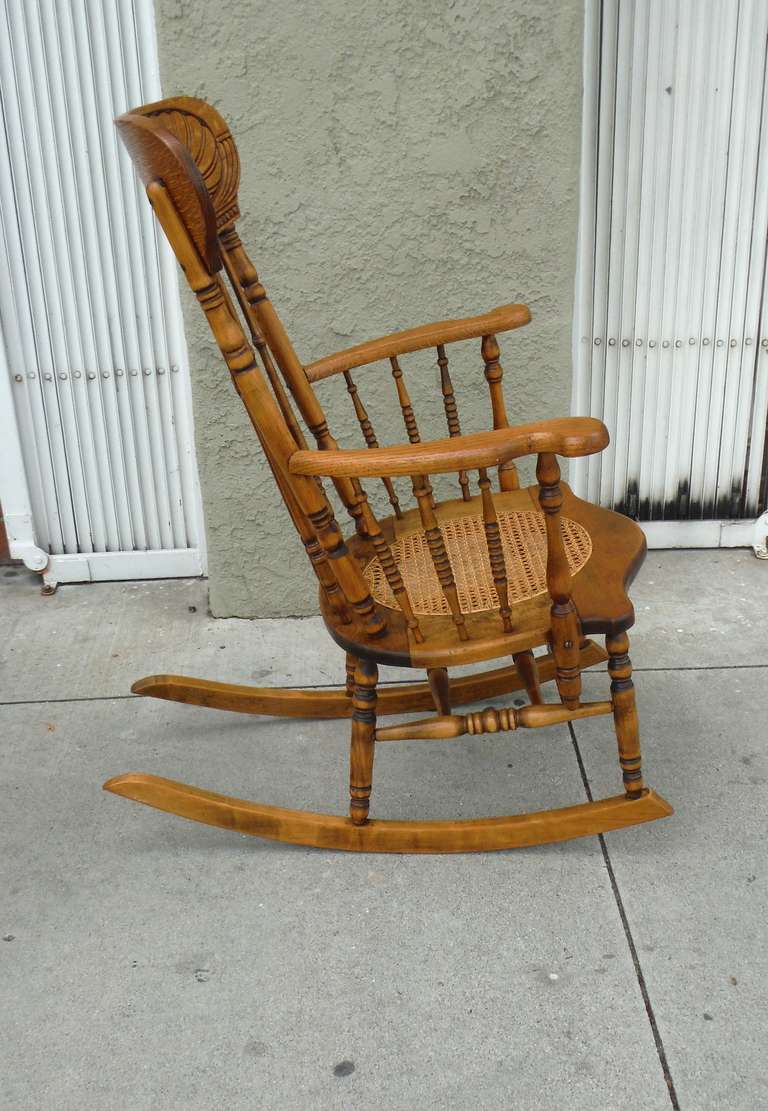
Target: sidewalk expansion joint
[
  {"x": 628, "y": 932},
  {"x": 386, "y": 683}
]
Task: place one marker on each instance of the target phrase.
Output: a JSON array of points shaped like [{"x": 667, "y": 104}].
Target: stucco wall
[{"x": 403, "y": 161}]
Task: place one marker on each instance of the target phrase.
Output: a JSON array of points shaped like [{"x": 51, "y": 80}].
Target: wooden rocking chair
[{"x": 474, "y": 578}]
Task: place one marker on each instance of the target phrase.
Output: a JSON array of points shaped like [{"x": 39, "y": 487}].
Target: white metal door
[
  {"x": 671, "y": 321},
  {"x": 97, "y": 471}
]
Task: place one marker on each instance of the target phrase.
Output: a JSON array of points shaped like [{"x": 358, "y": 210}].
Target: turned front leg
[
  {"x": 350, "y": 682},
  {"x": 625, "y": 712},
  {"x": 363, "y": 740}
]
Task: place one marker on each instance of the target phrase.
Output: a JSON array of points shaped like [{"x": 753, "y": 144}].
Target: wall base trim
[{"x": 709, "y": 534}]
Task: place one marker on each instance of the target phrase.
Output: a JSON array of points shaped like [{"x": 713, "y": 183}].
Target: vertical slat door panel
[
  {"x": 91, "y": 314},
  {"x": 672, "y": 257}
]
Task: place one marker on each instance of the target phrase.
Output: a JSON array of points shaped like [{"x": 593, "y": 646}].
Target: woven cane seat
[{"x": 524, "y": 541}]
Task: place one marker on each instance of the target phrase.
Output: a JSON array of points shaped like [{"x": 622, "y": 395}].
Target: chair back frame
[{"x": 189, "y": 163}]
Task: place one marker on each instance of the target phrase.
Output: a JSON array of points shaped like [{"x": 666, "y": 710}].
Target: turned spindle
[
  {"x": 451, "y": 411},
  {"x": 391, "y": 572},
  {"x": 409, "y": 419},
  {"x": 625, "y": 713},
  {"x": 565, "y": 634},
  {"x": 370, "y": 437},
  {"x": 495, "y": 549},
  {"x": 508, "y": 478},
  {"x": 439, "y": 554},
  {"x": 363, "y": 742}
]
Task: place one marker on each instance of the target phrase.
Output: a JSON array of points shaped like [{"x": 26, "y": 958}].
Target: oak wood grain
[
  {"x": 188, "y": 161},
  {"x": 330, "y": 831},
  {"x": 503, "y": 319},
  {"x": 309, "y": 703},
  {"x": 566, "y": 436}
]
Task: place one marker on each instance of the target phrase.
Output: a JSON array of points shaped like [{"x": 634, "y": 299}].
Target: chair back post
[
  {"x": 273, "y": 433},
  {"x": 203, "y": 134},
  {"x": 182, "y": 203},
  {"x": 565, "y": 635}
]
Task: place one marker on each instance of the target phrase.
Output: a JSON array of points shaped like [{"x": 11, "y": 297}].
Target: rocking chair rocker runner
[{"x": 474, "y": 578}]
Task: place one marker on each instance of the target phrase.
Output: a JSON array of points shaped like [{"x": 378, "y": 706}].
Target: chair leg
[
  {"x": 625, "y": 713},
  {"x": 528, "y": 669},
  {"x": 441, "y": 688},
  {"x": 351, "y": 665},
  {"x": 363, "y": 740}
]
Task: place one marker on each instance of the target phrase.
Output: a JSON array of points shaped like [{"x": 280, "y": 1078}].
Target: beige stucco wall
[{"x": 403, "y": 161}]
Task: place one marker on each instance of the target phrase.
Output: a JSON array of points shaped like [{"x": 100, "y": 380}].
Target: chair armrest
[
  {"x": 503, "y": 319},
  {"x": 568, "y": 436}
]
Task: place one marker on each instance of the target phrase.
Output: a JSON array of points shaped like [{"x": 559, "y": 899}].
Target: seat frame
[{"x": 188, "y": 161}]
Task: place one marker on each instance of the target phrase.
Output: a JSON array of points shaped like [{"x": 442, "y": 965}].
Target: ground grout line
[
  {"x": 662, "y": 1054},
  {"x": 387, "y": 683},
  {"x": 700, "y": 667}
]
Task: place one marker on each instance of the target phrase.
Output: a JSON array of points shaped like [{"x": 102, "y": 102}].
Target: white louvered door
[
  {"x": 95, "y": 360},
  {"x": 671, "y": 321}
]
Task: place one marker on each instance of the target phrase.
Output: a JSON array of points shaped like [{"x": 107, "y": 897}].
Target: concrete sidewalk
[{"x": 149, "y": 962}]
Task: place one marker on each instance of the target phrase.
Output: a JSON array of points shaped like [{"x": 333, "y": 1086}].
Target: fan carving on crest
[{"x": 213, "y": 149}]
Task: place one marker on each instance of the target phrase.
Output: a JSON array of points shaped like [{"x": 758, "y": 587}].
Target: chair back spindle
[
  {"x": 185, "y": 212},
  {"x": 231, "y": 249},
  {"x": 189, "y": 163},
  {"x": 508, "y": 477},
  {"x": 370, "y": 438},
  {"x": 409, "y": 420},
  {"x": 451, "y": 411}
]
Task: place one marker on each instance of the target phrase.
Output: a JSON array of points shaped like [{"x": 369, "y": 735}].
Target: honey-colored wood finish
[
  {"x": 567, "y": 436},
  {"x": 503, "y": 319},
  {"x": 480, "y": 576},
  {"x": 296, "y": 703},
  {"x": 330, "y": 831}
]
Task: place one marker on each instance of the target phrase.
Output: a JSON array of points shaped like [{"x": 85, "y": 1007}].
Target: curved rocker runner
[{"x": 478, "y": 577}]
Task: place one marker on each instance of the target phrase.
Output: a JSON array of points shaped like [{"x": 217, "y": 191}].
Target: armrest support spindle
[
  {"x": 508, "y": 477},
  {"x": 495, "y": 549},
  {"x": 565, "y": 633},
  {"x": 436, "y": 544}
]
